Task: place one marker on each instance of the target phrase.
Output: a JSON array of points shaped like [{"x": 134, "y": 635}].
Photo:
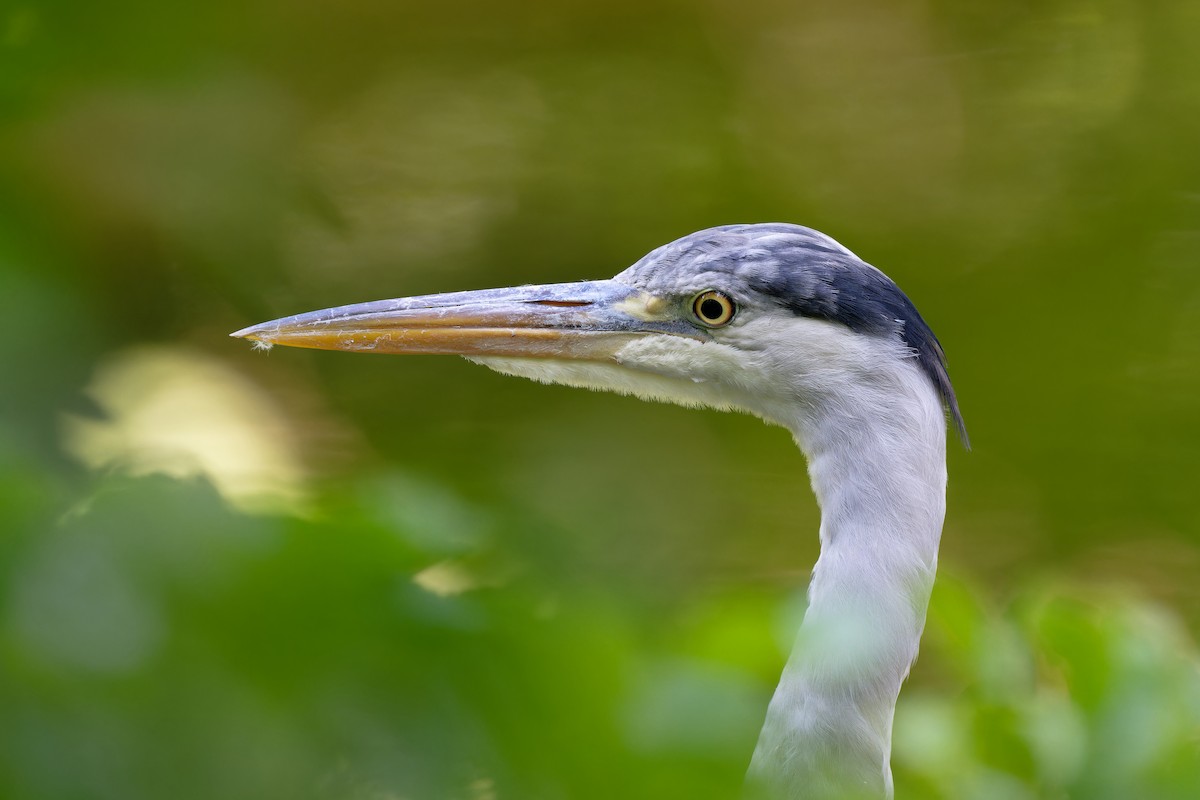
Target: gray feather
[{"x": 813, "y": 275}]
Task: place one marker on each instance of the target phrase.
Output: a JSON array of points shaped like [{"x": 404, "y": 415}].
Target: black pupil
[{"x": 711, "y": 309}]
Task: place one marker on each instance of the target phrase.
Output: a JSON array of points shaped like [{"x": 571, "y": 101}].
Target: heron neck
[{"x": 880, "y": 481}]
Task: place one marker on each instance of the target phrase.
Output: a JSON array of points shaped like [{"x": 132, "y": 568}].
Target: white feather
[{"x": 872, "y": 427}]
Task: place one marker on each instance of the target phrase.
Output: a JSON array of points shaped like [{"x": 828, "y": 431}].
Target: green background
[{"x": 228, "y": 574}]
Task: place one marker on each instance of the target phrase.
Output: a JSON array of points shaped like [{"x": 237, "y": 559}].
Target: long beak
[{"x": 578, "y": 321}]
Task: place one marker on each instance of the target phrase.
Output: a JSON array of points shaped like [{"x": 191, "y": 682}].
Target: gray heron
[{"x": 783, "y": 322}]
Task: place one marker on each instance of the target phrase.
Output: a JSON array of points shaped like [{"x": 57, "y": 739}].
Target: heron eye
[{"x": 713, "y": 309}]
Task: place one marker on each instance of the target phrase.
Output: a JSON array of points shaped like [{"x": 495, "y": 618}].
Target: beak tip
[{"x": 254, "y": 333}]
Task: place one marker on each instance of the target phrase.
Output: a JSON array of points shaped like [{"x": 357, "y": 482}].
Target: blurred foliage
[{"x": 314, "y": 575}]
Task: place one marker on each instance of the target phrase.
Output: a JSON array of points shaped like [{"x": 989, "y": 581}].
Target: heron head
[{"x": 773, "y": 319}]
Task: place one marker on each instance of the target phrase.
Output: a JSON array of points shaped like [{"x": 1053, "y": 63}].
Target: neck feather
[{"x": 878, "y": 468}]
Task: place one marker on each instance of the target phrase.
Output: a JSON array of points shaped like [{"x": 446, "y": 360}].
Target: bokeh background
[{"x": 229, "y": 574}]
